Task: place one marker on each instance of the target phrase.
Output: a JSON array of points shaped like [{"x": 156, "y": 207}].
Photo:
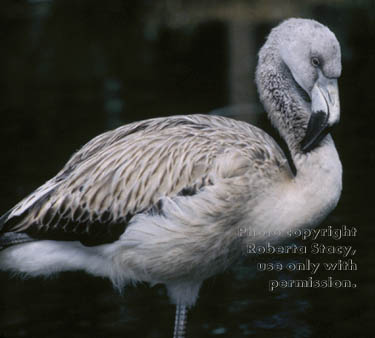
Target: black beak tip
[
  {"x": 316, "y": 131},
  {"x": 306, "y": 146}
]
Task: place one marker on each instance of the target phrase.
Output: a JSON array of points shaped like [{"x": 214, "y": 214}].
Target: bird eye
[{"x": 315, "y": 61}]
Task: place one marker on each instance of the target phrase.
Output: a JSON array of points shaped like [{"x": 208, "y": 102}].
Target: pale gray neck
[
  {"x": 319, "y": 172},
  {"x": 320, "y": 168},
  {"x": 287, "y": 110},
  {"x": 318, "y": 181},
  {"x": 304, "y": 201}
]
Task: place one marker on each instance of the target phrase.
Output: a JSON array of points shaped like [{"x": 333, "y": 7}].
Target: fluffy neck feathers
[
  {"x": 287, "y": 110},
  {"x": 289, "y": 113}
]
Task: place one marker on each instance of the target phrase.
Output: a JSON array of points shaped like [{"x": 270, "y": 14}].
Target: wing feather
[{"x": 129, "y": 170}]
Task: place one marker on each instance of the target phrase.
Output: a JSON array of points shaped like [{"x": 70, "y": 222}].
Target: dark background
[{"x": 70, "y": 70}]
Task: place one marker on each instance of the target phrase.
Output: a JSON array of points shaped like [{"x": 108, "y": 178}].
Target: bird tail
[
  {"x": 15, "y": 215},
  {"x": 11, "y": 238}
]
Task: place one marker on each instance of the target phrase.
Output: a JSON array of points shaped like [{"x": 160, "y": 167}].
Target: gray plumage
[
  {"x": 129, "y": 170},
  {"x": 285, "y": 76},
  {"x": 163, "y": 200}
]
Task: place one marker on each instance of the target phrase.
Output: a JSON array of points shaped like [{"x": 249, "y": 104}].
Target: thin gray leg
[{"x": 180, "y": 322}]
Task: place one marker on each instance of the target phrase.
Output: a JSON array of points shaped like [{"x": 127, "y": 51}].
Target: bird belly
[{"x": 157, "y": 250}]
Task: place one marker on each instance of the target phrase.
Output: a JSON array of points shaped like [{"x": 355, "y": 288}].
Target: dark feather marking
[
  {"x": 66, "y": 212},
  {"x": 88, "y": 233},
  {"x": 105, "y": 217},
  {"x": 136, "y": 129},
  {"x": 85, "y": 216},
  {"x": 200, "y": 126},
  {"x": 12, "y": 222},
  {"x": 128, "y": 217},
  {"x": 6, "y": 224},
  {"x": 156, "y": 209},
  {"x": 8, "y": 239},
  {"x": 65, "y": 173},
  {"x": 260, "y": 155},
  {"x": 48, "y": 217},
  {"x": 188, "y": 191},
  {"x": 77, "y": 214},
  {"x": 182, "y": 122},
  {"x": 55, "y": 219},
  {"x": 4, "y": 219}
]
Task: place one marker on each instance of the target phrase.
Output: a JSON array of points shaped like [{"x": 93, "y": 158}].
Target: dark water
[{"x": 73, "y": 69}]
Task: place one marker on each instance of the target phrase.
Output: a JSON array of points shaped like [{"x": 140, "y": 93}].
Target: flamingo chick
[{"x": 163, "y": 200}]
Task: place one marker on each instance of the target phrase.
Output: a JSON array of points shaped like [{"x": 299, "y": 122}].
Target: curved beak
[{"x": 325, "y": 111}]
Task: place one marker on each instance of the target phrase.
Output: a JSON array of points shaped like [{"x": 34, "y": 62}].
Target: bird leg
[{"x": 180, "y": 321}]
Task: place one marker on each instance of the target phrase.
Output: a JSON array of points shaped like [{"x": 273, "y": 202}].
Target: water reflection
[{"x": 71, "y": 70}]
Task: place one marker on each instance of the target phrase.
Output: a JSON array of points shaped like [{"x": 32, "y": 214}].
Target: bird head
[{"x": 312, "y": 54}]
